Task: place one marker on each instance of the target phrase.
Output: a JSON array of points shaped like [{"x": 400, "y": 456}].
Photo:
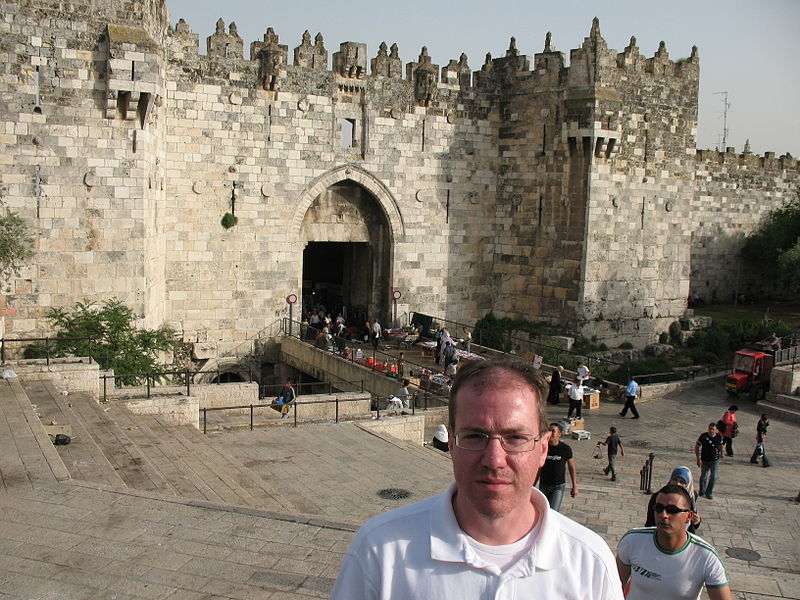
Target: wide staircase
[{"x": 110, "y": 447}]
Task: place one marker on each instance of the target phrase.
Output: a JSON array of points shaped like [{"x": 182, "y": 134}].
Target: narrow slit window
[{"x": 348, "y": 133}]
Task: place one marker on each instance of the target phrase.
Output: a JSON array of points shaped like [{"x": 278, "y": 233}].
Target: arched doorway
[{"x": 347, "y": 254}]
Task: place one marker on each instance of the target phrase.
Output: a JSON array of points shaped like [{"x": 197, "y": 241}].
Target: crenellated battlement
[
  {"x": 767, "y": 162},
  {"x": 590, "y": 63}
]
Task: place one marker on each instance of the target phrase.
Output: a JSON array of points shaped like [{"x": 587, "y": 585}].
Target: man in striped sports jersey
[{"x": 666, "y": 561}]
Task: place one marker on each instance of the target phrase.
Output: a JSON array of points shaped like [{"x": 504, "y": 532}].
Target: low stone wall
[
  {"x": 410, "y": 428},
  {"x": 309, "y": 359},
  {"x": 175, "y": 410},
  {"x": 660, "y": 390},
  {"x": 209, "y": 395},
  {"x": 785, "y": 380},
  {"x": 66, "y": 374}
]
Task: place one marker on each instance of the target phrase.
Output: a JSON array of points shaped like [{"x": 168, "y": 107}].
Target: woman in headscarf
[
  {"x": 681, "y": 476},
  {"x": 440, "y": 439}
]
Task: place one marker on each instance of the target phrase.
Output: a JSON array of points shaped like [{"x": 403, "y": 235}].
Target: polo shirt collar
[{"x": 449, "y": 543}]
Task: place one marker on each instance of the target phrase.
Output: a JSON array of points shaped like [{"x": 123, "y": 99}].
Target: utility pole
[{"x": 726, "y": 105}]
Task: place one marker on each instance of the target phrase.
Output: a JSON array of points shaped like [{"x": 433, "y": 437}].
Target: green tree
[
  {"x": 116, "y": 343},
  {"x": 777, "y": 242},
  {"x": 16, "y": 246}
]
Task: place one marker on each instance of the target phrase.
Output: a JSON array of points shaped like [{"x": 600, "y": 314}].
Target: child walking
[{"x": 614, "y": 445}]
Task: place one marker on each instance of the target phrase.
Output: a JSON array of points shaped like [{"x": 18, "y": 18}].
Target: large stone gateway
[{"x": 571, "y": 193}]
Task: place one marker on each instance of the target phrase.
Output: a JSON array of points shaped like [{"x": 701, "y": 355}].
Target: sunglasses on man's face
[{"x": 670, "y": 508}]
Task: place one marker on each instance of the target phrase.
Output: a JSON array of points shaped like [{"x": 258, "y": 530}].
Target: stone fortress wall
[{"x": 531, "y": 188}]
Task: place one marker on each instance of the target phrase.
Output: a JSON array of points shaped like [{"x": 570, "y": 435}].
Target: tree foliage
[
  {"x": 777, "y": 243},
  {"x": 16, "y": 246},
  {"x": 116, "y": 343}
]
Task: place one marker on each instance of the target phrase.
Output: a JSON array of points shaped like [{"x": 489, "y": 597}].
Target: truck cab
[{"x": 751, "y": 372}]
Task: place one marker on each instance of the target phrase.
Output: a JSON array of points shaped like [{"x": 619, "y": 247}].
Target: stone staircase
[
  {"x": 781, "y": 406},
  {"x": 113, "y": 448}
]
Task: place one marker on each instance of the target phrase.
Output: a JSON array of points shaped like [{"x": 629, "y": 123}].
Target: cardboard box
[
  {"x": 581, "y": 434},
  {"x": 591, "y": 400},
  {"x": 576, "y": 424}
]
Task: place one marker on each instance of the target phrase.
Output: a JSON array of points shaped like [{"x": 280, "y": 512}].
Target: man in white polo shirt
[{"x": 491, "y": 534}]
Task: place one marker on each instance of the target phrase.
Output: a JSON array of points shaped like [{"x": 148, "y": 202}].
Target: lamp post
[
  {"x": 395, "y": 297},
  {"x": 291, "y": 299}
]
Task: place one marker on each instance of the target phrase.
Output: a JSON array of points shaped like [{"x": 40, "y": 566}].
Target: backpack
[{"x": 61, "y": 439}]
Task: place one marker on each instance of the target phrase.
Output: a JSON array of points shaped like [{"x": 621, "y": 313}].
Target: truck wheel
[{"x": 757, "y": 393}]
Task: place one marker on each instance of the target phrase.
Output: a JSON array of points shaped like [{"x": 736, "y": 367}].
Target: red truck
[{"x": 751, "y": 371}]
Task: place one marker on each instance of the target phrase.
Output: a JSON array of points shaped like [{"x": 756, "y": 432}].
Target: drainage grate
[
  {"x": 394, "y": 494},
  {"x": 639, "y": 443},
  {"x": 743, "y": 554}
]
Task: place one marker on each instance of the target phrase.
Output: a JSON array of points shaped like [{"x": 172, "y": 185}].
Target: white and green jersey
[{"x": 678, "y": 575}]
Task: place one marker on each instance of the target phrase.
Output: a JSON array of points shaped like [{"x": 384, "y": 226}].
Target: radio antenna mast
[{"x": 726, "y": 105}]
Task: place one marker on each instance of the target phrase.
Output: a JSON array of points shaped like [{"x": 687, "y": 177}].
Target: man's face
[
  {"x": 555, "y": 434},
  {"x": 667, "y": 523},
  {"x": 712, "y": 430},
  {"x": 493, "y": 483}
]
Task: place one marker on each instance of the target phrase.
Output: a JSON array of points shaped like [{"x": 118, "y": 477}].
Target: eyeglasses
[
  {"x": 512, "y": 443},
  {"x": 670, "y": 508}
]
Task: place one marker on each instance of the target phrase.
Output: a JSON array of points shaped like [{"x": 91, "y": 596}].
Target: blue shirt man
[{"x": 631, "y": 393}]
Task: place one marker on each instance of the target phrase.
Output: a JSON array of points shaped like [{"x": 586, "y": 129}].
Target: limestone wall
[
  {"x": 735, "y": 194},
  {"x": 565, "y": 193}
]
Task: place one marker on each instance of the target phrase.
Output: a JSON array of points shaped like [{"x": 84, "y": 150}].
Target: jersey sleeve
[
  {"x": 623, "y": 551},
  {"x": 716, "y": 575}
]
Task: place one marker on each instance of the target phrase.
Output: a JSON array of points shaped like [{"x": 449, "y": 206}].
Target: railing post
[
  {"x": 147, "y": 382},
  {"x": 337, "y": 409},
  {"x": 105, "y": 384},
  {"x": 3, "y": 350},
  {"x": 377, "y": 407},
  {"x": 47, "y": 350},
  {"x": 294, "y": 405},
  {"x": 650, "y": 459},
  {"x": 251, "y": 417},
  {"x": 205, "y": 416},
  {"x": 188, "y": 390}
]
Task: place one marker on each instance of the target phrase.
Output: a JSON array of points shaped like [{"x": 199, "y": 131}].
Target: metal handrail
[
  {"x": 374, "y": 401},
  {"x": 46, "y": 340}
]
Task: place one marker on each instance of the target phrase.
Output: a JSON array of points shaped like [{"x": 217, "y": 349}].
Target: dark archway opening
[
  {"x": 337, "y": 278},
  {"x": 228, "y": 378}
]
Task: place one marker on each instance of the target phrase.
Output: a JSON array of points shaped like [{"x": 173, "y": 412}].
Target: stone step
[
  {"x": 27, "y": 456},
  {"x": 779, "y": 411},
  {"x": 83, "y": 458},
  {"x": 792, "y": 402},
  {"x": 125, "y": 457},
  {"x": 194, "y": 466}
]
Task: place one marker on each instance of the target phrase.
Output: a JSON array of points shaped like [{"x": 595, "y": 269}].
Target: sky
[{"x": 748, "y": 48}]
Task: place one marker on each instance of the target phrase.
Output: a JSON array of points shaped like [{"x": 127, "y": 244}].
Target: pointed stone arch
[{"x": 362, "y": 177}]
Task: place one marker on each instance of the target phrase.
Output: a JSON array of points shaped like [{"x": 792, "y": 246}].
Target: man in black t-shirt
[
  {"x": 708, "y": 451},
  {"x": 552, "y": 475}
]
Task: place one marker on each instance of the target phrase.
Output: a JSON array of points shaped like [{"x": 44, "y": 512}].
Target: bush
[{"x": 116, "y": 343}]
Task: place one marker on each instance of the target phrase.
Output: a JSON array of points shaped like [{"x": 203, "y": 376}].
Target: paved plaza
[{"x": 278, "y": 506}]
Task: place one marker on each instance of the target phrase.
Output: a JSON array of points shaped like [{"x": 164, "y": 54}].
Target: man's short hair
[
  {"x": 712, "y": 425},
  {"x": 556, "y": 424},
  {"x": 672, "y": 488},
  {"x": 491, "y": 374}
]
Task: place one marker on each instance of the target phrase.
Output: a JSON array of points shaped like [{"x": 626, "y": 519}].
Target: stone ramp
[{"x": 28, "y": 458}]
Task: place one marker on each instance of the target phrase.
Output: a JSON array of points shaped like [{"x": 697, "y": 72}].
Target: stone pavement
[{"x": 73, "y": 539}]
